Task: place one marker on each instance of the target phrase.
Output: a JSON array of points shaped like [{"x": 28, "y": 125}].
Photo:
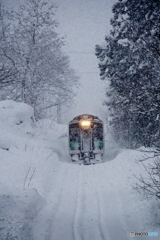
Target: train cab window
[
  {"x": 97, "y": 136},
  {"x": 74, "y": 136}
]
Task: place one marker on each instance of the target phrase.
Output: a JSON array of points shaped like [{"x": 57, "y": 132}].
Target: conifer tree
[{"x": 131, "y": 62}]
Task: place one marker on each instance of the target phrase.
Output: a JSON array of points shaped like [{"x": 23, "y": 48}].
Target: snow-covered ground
[{"x": 43, "y": 196}]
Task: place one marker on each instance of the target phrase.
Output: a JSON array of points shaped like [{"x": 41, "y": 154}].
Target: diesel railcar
[{"x": 86, "y": 139}]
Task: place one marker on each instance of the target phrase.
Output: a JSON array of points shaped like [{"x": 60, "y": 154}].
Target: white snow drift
[{"x": 43, "y": 196}]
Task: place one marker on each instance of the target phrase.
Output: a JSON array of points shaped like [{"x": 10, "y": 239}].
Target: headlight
[{"x": 85, "y": 123}]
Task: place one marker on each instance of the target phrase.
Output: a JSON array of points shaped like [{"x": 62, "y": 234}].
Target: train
[{"x": 86, "y": 139}]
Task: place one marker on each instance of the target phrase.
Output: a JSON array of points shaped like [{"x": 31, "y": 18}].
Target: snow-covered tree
[
  {"x": 131, "y": 61},
  {"x": 43, "y": 69},
  {"x": 8, "y": 69},
  {"x": 150, "y": 186}
]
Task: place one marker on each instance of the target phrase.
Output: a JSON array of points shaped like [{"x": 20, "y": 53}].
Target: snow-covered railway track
[
  {"x": 73, "y": 208},
  {"x": 100, "y": 210},
  {"x": 87, "y": 219},
  {"x": 88, "y": 222},
  {"x": 93, "y": 213},
  {"x": 79, "y": 209},
  {"x": 55, "y": 203},
  {"x": 81, "y": 206},
  {"x": 44, "y": 221},
  {"x": 62, "y": 222}
]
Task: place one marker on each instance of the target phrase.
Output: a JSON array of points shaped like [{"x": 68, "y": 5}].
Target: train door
[{"x": 86, "y": 140}]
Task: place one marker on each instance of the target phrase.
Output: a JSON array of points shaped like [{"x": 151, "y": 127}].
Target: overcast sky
[{"x": 85, "y": 24}]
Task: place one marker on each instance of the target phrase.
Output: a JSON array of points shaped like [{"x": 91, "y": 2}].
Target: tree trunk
[{"x": 59, "y": 113}]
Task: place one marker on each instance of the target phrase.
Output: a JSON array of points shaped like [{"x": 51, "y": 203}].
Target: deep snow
[{"x": 43, "y": 196}]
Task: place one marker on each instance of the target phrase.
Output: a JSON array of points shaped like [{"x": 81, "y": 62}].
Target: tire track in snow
[
  {"x": 77, "y": 222},
  {"x": 91, "y": 216},
  {"x": 55, "y": 208},
  {"x": 62, "y": 226},
  {"x": 100, "y": 222}
]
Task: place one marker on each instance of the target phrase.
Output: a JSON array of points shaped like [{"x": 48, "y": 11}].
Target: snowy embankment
[{"x": 43, "y": 196}]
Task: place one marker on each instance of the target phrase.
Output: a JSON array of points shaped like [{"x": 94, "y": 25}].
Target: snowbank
[
  {"x": 15, "y": 113},
  {"x": 18, "y": 209},
  {"x": 14, "y": 117},
  {"x": 25, "y": 167},
  {"x": 19, "y": 202},
  {"x": 51, "y": 129}
]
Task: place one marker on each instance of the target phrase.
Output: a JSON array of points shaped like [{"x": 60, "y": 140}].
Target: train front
[{"x": 86, "y": 139}]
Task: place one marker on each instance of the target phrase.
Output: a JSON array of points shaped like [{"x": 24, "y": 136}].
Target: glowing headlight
[{"x": 85, "y": 123}]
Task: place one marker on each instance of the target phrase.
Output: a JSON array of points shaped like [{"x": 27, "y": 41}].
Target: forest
[{"x": 130, "y": 61}]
